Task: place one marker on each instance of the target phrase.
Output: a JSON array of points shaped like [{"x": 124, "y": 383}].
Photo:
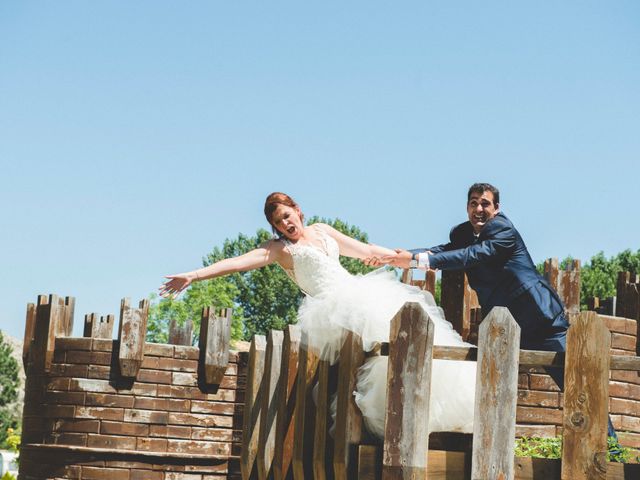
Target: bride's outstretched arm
[
  {"x": 350, "y": 247},
  {"x": 266, "y": 254}
]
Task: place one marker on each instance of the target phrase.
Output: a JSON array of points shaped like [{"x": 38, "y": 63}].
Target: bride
[{"x": 337, "y": 301}]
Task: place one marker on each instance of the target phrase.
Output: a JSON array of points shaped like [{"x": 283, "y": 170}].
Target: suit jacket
[{"x": 502, "y": 273}]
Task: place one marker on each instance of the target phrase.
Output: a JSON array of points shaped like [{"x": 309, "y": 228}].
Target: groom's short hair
[{"x": 484, "y": 187}]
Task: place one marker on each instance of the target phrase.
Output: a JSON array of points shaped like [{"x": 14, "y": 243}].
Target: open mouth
[
  {"x": 291, "y": 230},
  {"x": 479, "y": 218}
]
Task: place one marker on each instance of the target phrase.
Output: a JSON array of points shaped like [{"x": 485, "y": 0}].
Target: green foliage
[
  {"x": 552, "y": 448},
  {"x": 9, "y": 384},
  {"x": 8, "y": 476},
  {"x": 262, "y": 299},
  {"x": 539, "y": 447},
  {"x": 217, "y": 292}
]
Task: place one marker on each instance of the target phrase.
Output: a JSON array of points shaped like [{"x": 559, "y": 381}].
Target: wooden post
[
  {"x": 586, "y": 399},
  {"x": 215, "y": 335},
  {"x": 64, "y": 327},
  {"x": 321, "y": 452},
  {"x": 552, "y": 273},
  {"x": 283, "y": 452},
  {"x": 96, "y": 326},
  {"x": 494, "y": 421},
  {"x": 632, "y": 309},
  {"x": 270, "y": 400},
  {"x": 407, "y": 276},
  {"x": 49, "y": 314},
  {"x": 252, "y": 407},
  {"x": 181, "y": 334},
  {"x": 570, "y": 287},
  {"x": 623, "y": 280},
  {"x": 131, "y": 336},
  {"x": 430, "y": 282},
  {"x": 406, "y": 439},
  {"x": 304, "y": 415},
  {"x": 457, "y": 300},
  {"x": 348, "y": 431},
  {"x": 29, "y": 331}
]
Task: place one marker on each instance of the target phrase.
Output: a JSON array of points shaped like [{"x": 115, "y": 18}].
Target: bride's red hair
[{"x": 271, "y": 203}]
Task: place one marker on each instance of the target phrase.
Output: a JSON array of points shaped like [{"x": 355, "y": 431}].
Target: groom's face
[{"x": 481, "y": 208}]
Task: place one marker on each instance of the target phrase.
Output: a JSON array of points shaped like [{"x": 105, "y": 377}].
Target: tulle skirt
[{"x": 365, "y": 304}]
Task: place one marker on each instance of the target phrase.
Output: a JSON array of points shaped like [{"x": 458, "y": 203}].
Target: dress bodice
[{"x": 315, "y": 269}]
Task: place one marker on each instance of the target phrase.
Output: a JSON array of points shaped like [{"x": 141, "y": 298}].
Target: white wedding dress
[{"x": 337, "y": 301}]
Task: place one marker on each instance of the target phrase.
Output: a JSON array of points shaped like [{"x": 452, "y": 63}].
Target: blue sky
[{"x": 135, "y": 136}]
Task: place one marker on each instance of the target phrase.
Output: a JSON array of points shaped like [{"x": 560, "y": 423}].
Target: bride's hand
[{"x": 176, "y": 284}]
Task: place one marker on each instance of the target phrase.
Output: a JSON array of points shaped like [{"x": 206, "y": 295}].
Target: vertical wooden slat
[
  {"x": 65, "y": 327},
  {"x": 98, "y": 326},
  {"x": 48, "y": 315},
  {"x": 321, "y": 450},
  {"x": 215, "y": 335},
  {"x": 181, "y": 333},
  {"x": 430, "y": 282},
  {"x": 586, "y": 399},
  {"x": 131, "y": 336},
  {"x": 283, "y": 452},
  {"x": 270, "y": 400},
  {"x": 252, "y": 408},
  {"x": 571, "y": 287},
  {"x": 304, "y": 415},
  {"x": 407, "y": 276},
  {"x": 406, "y": 439},
  {"x": 457, "y": 300},
  {"x": 623, "y": 280},
  {"x": 29, "y": 330},
  {"x": 552, "y": 273},
  {"x": 496, "y": 396},
  {"x": 348, "y": 431}
]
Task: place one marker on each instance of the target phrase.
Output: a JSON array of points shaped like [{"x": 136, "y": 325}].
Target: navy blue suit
[{"x": 500, "y": 270}]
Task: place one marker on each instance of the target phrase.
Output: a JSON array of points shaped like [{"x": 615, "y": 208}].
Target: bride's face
[{"x": 287, "y": 221}]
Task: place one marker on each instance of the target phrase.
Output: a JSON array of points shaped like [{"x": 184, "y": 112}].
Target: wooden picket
[{"x": 309, "y": 451}]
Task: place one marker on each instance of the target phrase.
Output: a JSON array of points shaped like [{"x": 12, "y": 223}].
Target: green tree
[
  {"x": 262, "y": 299},
  {"x": 9, "y": 384}
]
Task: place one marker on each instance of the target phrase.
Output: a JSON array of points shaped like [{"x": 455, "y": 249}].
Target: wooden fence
[{"x": 286, "y": 435}]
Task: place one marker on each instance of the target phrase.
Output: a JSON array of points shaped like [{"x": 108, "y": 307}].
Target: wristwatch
[{"x": 413, "y": 263}]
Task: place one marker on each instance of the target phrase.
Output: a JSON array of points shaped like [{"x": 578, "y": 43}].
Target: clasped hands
[{"x": 399, "y": 259}]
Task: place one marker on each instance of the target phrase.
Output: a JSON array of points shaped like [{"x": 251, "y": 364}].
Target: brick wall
[
  {"x": 539, "y": 400},
  {"x": 83, "y": 420}
]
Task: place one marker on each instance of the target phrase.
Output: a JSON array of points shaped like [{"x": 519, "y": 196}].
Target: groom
[{"x": 499, "y": 268}]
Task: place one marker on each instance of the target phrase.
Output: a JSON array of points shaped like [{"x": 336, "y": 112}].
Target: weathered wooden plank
[
  {"x": 181, "y": 333},
  {"x": 442, "y": 465},
  {"x": 407, "y": 276},
  {"x": 65, "y": 326},
  {"x": 283, "y": 453},
  {"x": 215, "y": 335},
  {"x": 321, "y": 447},
  {"x": 621, "y": 289},
  {"x": 48, "y": 315},
  {"x": 430, "y": 282},
  {"x": 304, "y": 414},
  {"x": 406, "y": 439},
  {"x": 131, "y": 336},
  {"x": 270, "y": 400},
  {"x": 455, "y": 301},
  {"x": 97, "y": 326},
  {"x": 348, "y": 431},
  {"x": 570, "y": 287},
  {"x": 252, "y": 407},
  {"x": 29, "y": 331},
  {"x": 586, "y": 399},
  {"x": 494, "y": 424},
  {"x": 552, "y": 273}
]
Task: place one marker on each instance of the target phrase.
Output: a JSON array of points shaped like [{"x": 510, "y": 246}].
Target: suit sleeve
[{"x": 500, "y": 242}]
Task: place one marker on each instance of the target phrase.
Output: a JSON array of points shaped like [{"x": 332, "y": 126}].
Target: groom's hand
[{"x": 401, "y": 259}]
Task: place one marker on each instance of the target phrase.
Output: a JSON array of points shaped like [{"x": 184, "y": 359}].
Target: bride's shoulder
[{"x": 323, "y": 227}]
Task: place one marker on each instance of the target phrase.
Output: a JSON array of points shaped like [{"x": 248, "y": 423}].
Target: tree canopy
[
  {"x": 9, "y": 384},
  {"x": 262, "y": 299}
]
